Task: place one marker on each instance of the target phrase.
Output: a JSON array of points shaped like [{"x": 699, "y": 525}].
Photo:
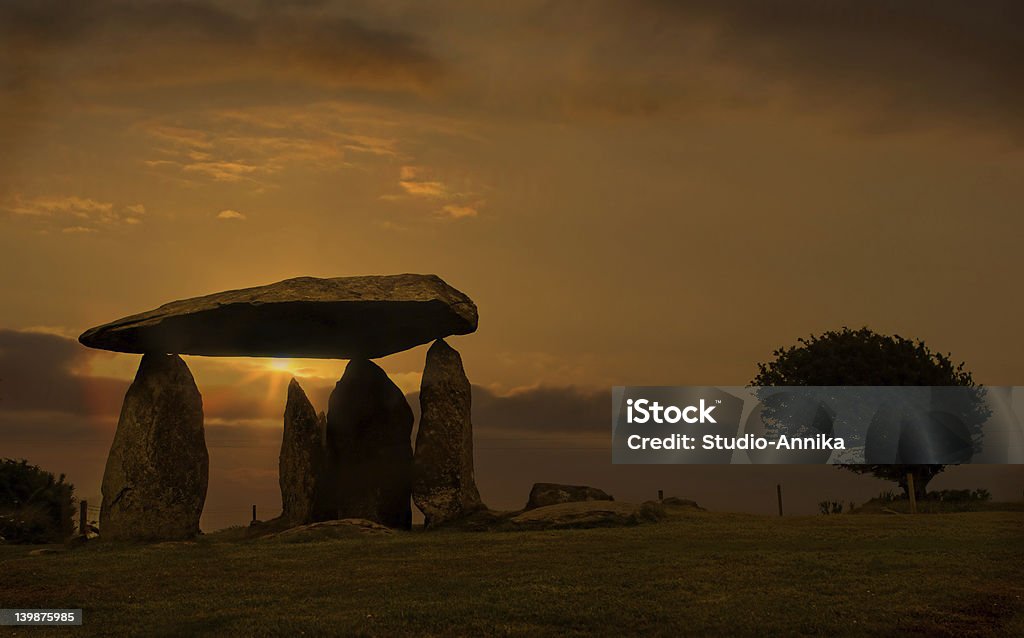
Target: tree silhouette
[{"x": 865, "y": 358}]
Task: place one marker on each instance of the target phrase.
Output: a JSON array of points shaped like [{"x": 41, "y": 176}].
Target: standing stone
[
  {"x": 155, "y": 481},
  {"x": 443, "y": 485},
  {"x": 369, "y": 426},
  {"x": 301, "y": 464}
]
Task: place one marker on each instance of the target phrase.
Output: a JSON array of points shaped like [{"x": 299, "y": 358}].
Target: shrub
[
  {"x": 35, "y": 507},
  {"x": 651, "y": 512},
  {"x": 830, "y": 507},
  {"x": 960, "y": 496}
]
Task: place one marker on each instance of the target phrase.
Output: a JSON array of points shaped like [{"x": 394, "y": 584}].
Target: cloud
[
  {"x": 413, "y": 182},
  {"x": 940, "y": 60},
  {"x": 457, "y": 212},
  {"x": 544, "y": 409},
  {"x": 173, "y": 43},
  {"x": 557, "y": 411},
  {"x": 45, "y": 372},
  {"x": 419, "y": 182},
  {"x": 223, "y": 171},
  {"x": 72, "y": 214},
  {"x": 423, "y": 189},
  {"x": 256, "y": 144},
  {"x": 58, "y": 57},
  {"x": 47, "y": 386},
  {"x": 231, "y": 214},
  {"x": 80, "y": 207},
  {"x": 888, "y": 65}
]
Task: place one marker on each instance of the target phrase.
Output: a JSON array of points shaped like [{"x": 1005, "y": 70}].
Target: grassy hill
[{"x": 696, "y": 574}]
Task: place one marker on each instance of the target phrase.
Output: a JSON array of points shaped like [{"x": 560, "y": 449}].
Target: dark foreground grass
[{"x": 698, "y": 574}]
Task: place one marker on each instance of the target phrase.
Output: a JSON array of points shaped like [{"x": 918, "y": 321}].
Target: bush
[
  {"x": 888, "y": 496},
  {"x": 35, "y": 507},
  {"x": 651, "y": 512},
  {"x": 960, "y": 496},
  {"x": 830, "y": 507}
]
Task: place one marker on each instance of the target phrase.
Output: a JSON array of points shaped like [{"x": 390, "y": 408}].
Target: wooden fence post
[
  {"x": 778, "y": 488},
  {"x": 661, "y": 495},
  {"x": 253, "y": 513},
  {"x": 910, "y": 490},
  {"x": 83, "y": 515}
]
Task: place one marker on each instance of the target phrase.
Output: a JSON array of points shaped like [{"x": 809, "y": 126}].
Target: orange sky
[{"x": 633, "y": 193}]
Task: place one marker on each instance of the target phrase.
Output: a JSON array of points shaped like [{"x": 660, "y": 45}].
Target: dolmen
[{"x": 356, "y": 461}]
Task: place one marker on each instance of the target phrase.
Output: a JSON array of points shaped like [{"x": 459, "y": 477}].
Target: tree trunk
[{"x": 923, "y": 474}]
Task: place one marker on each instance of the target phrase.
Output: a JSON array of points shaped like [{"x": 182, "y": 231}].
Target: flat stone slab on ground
[
  {"x": 584, "y": 514},
  {"x": 544, "y": 494},
  {"x": 683, "y": 503},
  {"x": 342, "y": 528},
  {"x": 341, "y": 318}
]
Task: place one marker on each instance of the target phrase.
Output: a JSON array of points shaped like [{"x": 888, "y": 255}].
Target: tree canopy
[
  {"x": 865, "y": 357},
  {"x": 860, "y": 357}
]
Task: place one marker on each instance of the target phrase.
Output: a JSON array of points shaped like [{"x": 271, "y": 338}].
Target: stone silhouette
[
  {"x": 154, "y": 485},
  {"x": 344, "y": 318},
  {"x": 443, "y": 485},
  {"x": 301, "y": 465},
  {"x": 369, "y": 427},
  {"x": 545, "y": 494}
]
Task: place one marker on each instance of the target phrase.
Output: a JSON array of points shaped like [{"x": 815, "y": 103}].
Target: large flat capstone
[{"x": 340, "y": 318}]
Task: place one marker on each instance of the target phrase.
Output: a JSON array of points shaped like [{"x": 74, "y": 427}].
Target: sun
[{"x": 280, "y": 365}]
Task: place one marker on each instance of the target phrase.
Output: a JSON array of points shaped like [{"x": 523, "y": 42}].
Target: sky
[{"x": 633, "y": 193}]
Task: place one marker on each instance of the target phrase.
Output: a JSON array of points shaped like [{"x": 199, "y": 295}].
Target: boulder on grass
[
  {"x": 326, "y": 530},
  {"x": 544, "y": 494},
  {"x": 681, "y": 503},
  {"x": 585, "y": 514}
]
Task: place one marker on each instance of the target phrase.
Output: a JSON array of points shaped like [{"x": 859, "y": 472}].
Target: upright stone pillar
[
  {"x": 154, "y": 485},
  {"x": 443, "y": 484},
  {"x": 369, "y": 427},
  {"x": 301, "y": 464}
]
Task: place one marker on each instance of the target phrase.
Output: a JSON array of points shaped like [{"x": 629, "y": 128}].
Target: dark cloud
[
  {"x": 60, "y": 429},
  {"x": 899, "y": 63},
  {"x": 886, "y": 65},
  {"x": 183, "y": 42},
  {"x": 567, "y": 410},
  {"x": 57, "y": 57},
  {"x": 38, "y": 372},
  {"x": 562, "y": 412}
]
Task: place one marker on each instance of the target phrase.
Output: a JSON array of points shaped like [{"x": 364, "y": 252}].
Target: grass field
[{"x": 696, "y": 574}]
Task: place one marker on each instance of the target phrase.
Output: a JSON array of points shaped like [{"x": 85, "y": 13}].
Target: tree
[{"x": 864, "y": 357}]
